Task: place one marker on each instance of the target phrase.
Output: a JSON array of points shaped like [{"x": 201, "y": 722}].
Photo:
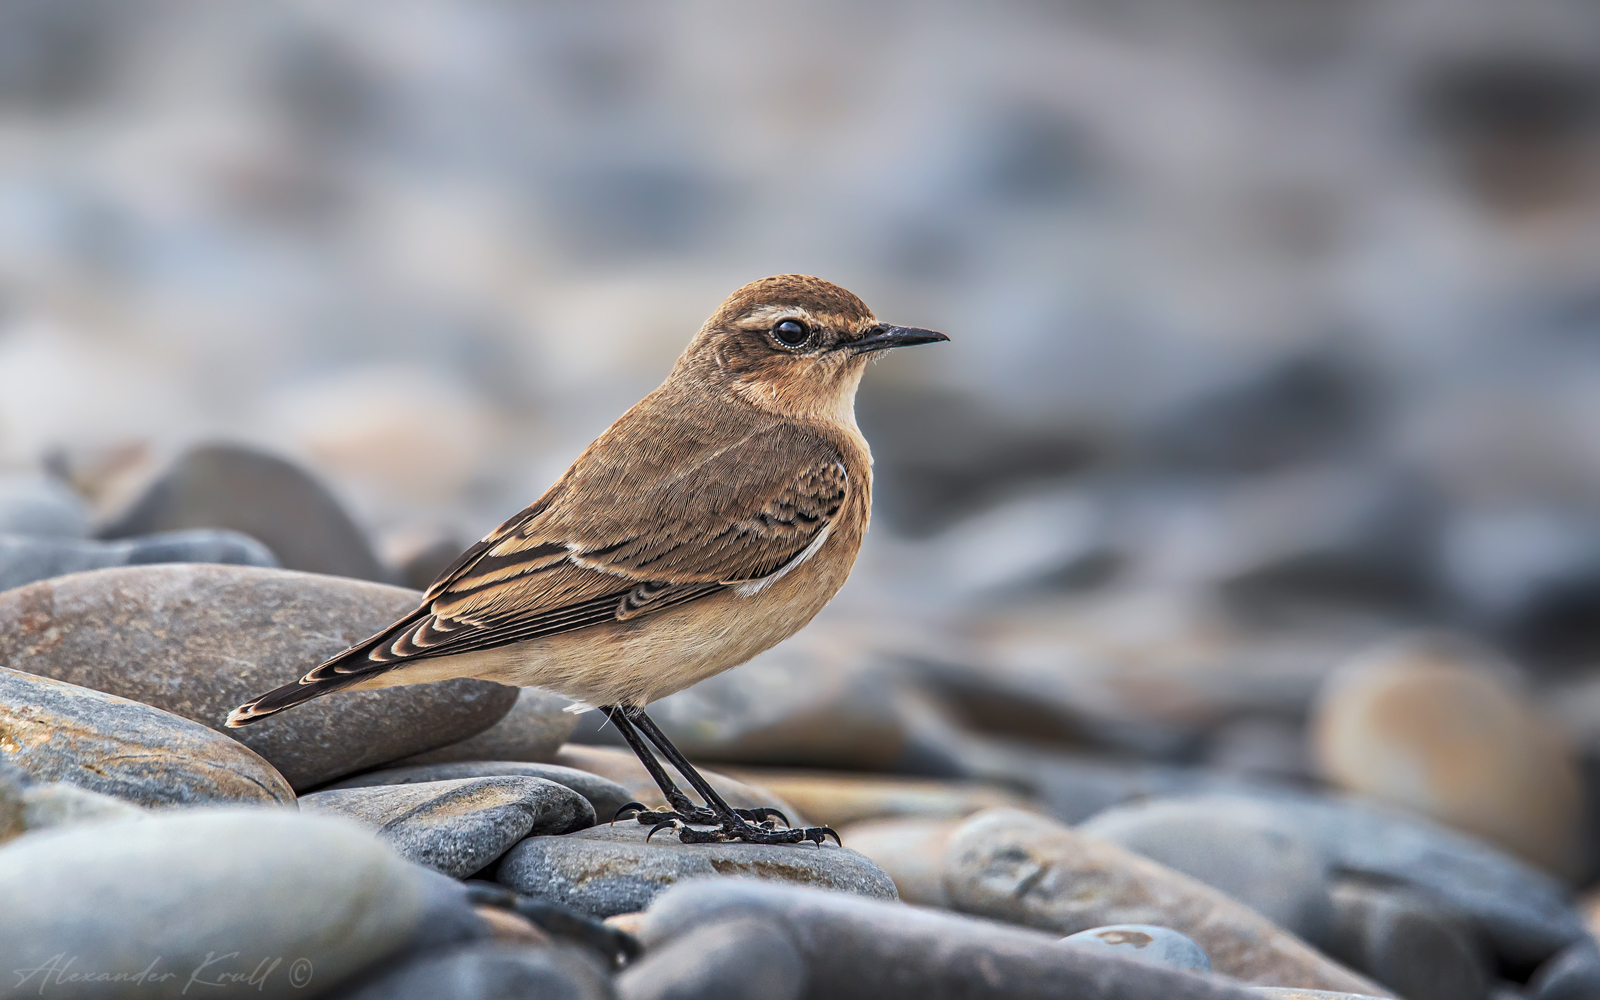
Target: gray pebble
[
  {"x": 1144, "y": 943},
  {"x": 24, "y": 560},
  {"x": 533, "y": 730},
  {"x": 491, "y": 971},
  {"x": 748, "y": 959},
  {"x": 41, "y": 507},
  {"x": 1574, "y": 974},
  {"x": 1408, "y": 941},
  {"x": 61, "y": 804},
  {"x": 458, "y": 827},
  {"x": 605, "y": 795}
]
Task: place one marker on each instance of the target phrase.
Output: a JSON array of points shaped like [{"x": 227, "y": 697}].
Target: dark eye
[{"x": 791, "y": 332}]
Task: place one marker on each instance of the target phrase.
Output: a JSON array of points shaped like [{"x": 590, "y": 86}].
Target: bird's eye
[{"x": 791, "y": 333}]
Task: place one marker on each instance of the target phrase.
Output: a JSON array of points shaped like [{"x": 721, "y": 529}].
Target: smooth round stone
[
  {"x": 533, "y": 730},
  {"x": 838, "y": 799},
  {"x": 1430, "y": 724},
  {"x": 1408, "y": 941},
  {"x": 199, "y": 640},
  {"x": 749, "y": 959},
  {"x": 1144, "y": 943},
  {"x": 41, "y": 507},
  {"x": 910, "y": 850},
  {"x": 1574, "y": 974},
  {"x": 60, "y": 804},
  {"x": 458, "y": 827},
  {"x": 1252, "y": 853},
  {"x": 1279, "y": 993},
  {"x": 261, "y": 495},
  {"x": 491, "y": 971},
  {"x": 605, "y": 795},
  {"x": 865, "y": 949},
  {"x": 62, "y": 732},
  {"x": 24, "y": 560},
  {"x": 611, "y": 869},
  {"x": 142, "y": 909},
  {"x": 1010, "y": 865}
]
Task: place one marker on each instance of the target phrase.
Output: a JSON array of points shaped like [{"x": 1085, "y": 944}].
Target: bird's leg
[
  {"x": 683, "y": 807},
  {"x": 732, "y": 824}
]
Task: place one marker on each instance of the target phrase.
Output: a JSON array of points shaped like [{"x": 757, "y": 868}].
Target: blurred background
[{"x": 1276, "y": 337}]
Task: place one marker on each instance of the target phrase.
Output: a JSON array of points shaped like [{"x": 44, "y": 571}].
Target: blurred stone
[
  {"x": 533, "y": 730},
  {"x": 223, "y": 891},
  {"x": 489, "y": 971},
  {"x": 839, "y": 798},
  {"x": 1407, "y": 941},
  {"x": 1144, "y": 943},
  {"x": 624, "y": 768},
  {"x": 1574, "y": 974},
  {"x": 911, "y": 851},
  {"x": 1276, "y": 993},
  {"x": 41, "y": 507},
  {"x": 731, "y": 960},
  {"x": 200, "y": 640},
  {"x": 1265, "y": 748},
  {"x": 61, "y": 804},
  {"x": 24, "y": 560},
  {"x": 1014, "y": 866},
  {"x": 62, "y": 732},
  {"x": 605, "y": 795},
  {"x": 1427, "y": 724},
  {"x": 1523, "y": 912},
  {"x": 607, "y": 870},
  {"x": 864, "y": 949},
  {"x": 419, "y": 553},
  {"x": 1254, "y": 855},
  {"x": 458, "y": 827},
  {"x": 261, "y": 495}
]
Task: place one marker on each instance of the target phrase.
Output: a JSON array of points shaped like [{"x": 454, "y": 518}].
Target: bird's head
[{"x": 793, "y": 345}]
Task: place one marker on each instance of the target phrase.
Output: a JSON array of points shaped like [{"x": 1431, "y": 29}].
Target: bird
[{"x": 711, "y": 521}]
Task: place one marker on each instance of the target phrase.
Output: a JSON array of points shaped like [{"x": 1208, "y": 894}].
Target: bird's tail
[{"x": 287, "y": 696}]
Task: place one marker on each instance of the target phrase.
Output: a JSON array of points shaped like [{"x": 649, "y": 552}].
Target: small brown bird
[{"x": 709, "y": 523}]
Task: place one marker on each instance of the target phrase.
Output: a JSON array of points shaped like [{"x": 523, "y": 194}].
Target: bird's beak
[{"x": 881, "y": 338}]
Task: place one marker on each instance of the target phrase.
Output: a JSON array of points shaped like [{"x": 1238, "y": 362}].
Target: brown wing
[{"x": 737, "y": 516}]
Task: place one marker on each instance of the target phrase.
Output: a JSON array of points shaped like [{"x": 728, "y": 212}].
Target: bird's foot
[
  {"x": 735, "y": 828},
  {"x": 763, "y": 816}
]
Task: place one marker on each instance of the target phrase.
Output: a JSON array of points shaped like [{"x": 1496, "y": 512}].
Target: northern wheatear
[{"x": 709, "y": 523}]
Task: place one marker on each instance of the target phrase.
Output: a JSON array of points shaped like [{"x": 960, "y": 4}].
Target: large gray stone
[
  {"x": 533, "y": 730},
  {"x": 491, "y": 971},
  {"x": 266, "y": 497},
  {"x": 1407, "y": 941},
  {"x": 733, "y": 960},
  {"x": 62, "y": 732},
  {"x": 865, "y": 949},
  {"x": 59, "y": 804},
  {"x": 1022, "y": 868},
  {"x": 24, "y": 559},
  {"x": 1252, "y": 853},
  {"x": 605, "y": 795},
  {"x": 170, "y": 903},
  {"x": 41, "y": 507},
  {"x": 458, "y": 827},
  {"x": 608, "y": 870},
  {"x": 199, "y": 640}
]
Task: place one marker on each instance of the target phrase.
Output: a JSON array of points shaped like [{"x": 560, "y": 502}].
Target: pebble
[
  {"x": 261, "y": 495},
  {"x": 1408, "y": 942},
  {"x": 1574, "y": 974},
  {"x": 1251, "y": 853},
  {"x": 838, "y": 799},
  {"x": 41, "y": 507},
  {"x": 459, "y": 826},
  {"x": 1427, "y": 724},
  {"x": 910, "y": 850},
  {"x": 205, "y": 896},
  {"x": 62, "y": 732},
  {"x": 864, "y": 949},
  {"x": 14, "y": 784},
  {"x": 24, "y": 560},
  {"x": 491, "y": 970},
  {"x": 748, "y": 959},
  {"x": 610, "y": 869},
  {"x": 1010, "y": 865},
  {"x": 605, "y": 795},
  {"x": 1276, "y": 993},
  {"x": 624, "y": 768},
  {"x": 533, "y": 730},
  {"x": 1144, "y": 943},
  {"x": 60, "y": 804},
  {"x": 197, "y": 640}
]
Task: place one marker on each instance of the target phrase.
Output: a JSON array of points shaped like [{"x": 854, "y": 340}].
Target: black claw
[
  {"x": 636, "y": 807},
  {"x": 667, "y": 824},
  {"x": 763, "y": 814}
]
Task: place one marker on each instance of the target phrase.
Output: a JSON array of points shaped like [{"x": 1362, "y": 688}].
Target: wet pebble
[
  {"x": 198, "y": 640},
  {"x": 611, "y": 869},
  {"x": 62, "y": 732},
  {"x": 1144, "y": 943},
  {"x": 459, "y": 826}
]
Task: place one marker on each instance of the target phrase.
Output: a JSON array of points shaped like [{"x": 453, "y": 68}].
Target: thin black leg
[
  {"x": 675, "y": 757},
  {"x": 680, "y": 802}
]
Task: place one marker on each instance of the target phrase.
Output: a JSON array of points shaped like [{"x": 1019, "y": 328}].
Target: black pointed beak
[{"x": 881, "y": 338}]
